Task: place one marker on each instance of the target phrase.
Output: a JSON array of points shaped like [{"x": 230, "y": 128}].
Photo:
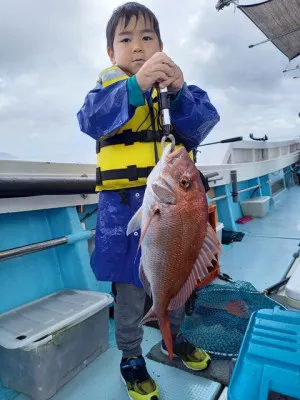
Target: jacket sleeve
[
  {"x": 105, "y": 110},
  {"x": 193, "y": 116}
]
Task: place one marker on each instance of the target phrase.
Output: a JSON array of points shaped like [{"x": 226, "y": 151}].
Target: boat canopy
[{"x": 279, "y": 20}]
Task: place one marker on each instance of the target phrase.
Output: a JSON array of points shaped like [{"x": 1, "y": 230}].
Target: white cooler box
[
  {"x": 256, "y": 207},
  {"x": 45, "y": 343}
]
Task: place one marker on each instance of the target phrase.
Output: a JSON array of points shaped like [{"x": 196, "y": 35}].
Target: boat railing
[{"x": 44, "y": 245}]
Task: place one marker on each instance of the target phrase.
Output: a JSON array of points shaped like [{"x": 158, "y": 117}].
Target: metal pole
[
  {"x": 47, "y": 244},
  {"x": 211, "y": 175},
  {"x": 249, "y": 188},
  {"x": 284, "y": 281},
  {"x": 219, "y": 197},
  {"x": 235, "y": 193},
  {"x": 215, "y": 179},
  {"x": 295, "y": 256},
  {"x": 293, "y": 69},
  {"x": 239, "y": 191},
  {"x": 12, "y": 186},
  {"x": 274, "y": 38}
]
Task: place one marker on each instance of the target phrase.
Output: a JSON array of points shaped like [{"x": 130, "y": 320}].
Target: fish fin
[
  {"x": 144, "y": 280},
  {"x": 164, "y": 326},
  {"x": 210, "y": 247},
  {"x": 153, "y": 211},
  {"x": 163, "y": 191},
  {"x": 135, "y": 223},
  {"x": 212, "y": 240}
]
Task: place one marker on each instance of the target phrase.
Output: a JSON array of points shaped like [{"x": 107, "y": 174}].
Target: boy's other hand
[
  {"x": 175, "y": 82},
  {"x": 159, "y": 68}
]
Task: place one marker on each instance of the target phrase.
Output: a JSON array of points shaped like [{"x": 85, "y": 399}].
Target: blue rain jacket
[{"x": 104, "y": 111}]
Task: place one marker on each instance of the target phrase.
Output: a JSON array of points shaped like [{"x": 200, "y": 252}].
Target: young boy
[{"x": 121, "y": 113}]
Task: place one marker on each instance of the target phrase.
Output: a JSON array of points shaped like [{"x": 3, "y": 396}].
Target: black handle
[
  {"x": 234, "y": 139},
  {"x": 235, "y": 193},
  {"x": 277, "y": 286}
]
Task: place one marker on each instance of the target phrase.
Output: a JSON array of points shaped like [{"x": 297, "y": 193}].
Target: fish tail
[
  {"x": 164, "y": 325},
  {"x": 165, "y": 329}
]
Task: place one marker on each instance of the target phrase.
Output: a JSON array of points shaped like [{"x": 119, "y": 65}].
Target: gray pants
[{"x": 128, "y": 313}]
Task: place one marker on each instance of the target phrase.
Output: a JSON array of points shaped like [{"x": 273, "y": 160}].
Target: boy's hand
[
  {"x": 160, "y": 70},
  {"x": 175, "y": 82}
]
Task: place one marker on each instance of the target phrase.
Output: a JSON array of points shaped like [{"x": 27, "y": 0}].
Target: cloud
[{"x": 52, "y": 53}]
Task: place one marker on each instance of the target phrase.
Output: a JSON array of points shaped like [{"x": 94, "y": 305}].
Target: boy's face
[{"x": 134, "y": 45}]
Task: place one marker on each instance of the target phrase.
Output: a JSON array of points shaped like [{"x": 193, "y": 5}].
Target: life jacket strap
[
  {"x": 128, "y": 138},
  {"x": 132, "y": 173}
]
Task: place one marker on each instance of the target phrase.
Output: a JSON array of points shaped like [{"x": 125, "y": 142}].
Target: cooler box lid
[{"x": 29, "y": 323}]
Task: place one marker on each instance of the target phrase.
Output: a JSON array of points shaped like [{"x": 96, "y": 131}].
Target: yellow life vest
[{"x": 125, "y": 158}]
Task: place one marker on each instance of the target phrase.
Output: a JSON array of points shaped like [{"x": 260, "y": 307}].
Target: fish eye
[{"x": 184, "y": 182}]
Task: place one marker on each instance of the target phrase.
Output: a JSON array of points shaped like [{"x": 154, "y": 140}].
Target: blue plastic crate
[{"x": 269, "y": 358}]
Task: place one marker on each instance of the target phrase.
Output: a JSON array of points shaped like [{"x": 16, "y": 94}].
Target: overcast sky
[{"x": 51, "y": 52}]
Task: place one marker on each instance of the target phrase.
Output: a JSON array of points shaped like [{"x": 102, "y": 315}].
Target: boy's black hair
[{"x": 126, "y": 11}]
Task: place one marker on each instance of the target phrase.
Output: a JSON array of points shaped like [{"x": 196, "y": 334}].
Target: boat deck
[
  {"x": 101, "y": 379},
  {"x": 262, "y": 258},
  {"x": 264, "y": 254}
]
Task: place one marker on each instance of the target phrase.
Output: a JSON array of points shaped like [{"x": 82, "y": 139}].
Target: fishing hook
[{"x": 171, "y": 138}]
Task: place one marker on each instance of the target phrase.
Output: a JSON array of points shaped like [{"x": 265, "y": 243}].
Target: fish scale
[{"x": 177, "y": 242}]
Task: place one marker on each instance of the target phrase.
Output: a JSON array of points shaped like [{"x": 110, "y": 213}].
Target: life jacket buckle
[
  {"x": 98, "y": 177},
  {"x": 128, "y": 137},
  {"x": 132, "y": 172}
]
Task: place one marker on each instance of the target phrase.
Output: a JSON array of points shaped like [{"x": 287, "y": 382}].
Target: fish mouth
[
  {"x": 181, "y": 161},
  {"x": 177, "y": 154}
]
